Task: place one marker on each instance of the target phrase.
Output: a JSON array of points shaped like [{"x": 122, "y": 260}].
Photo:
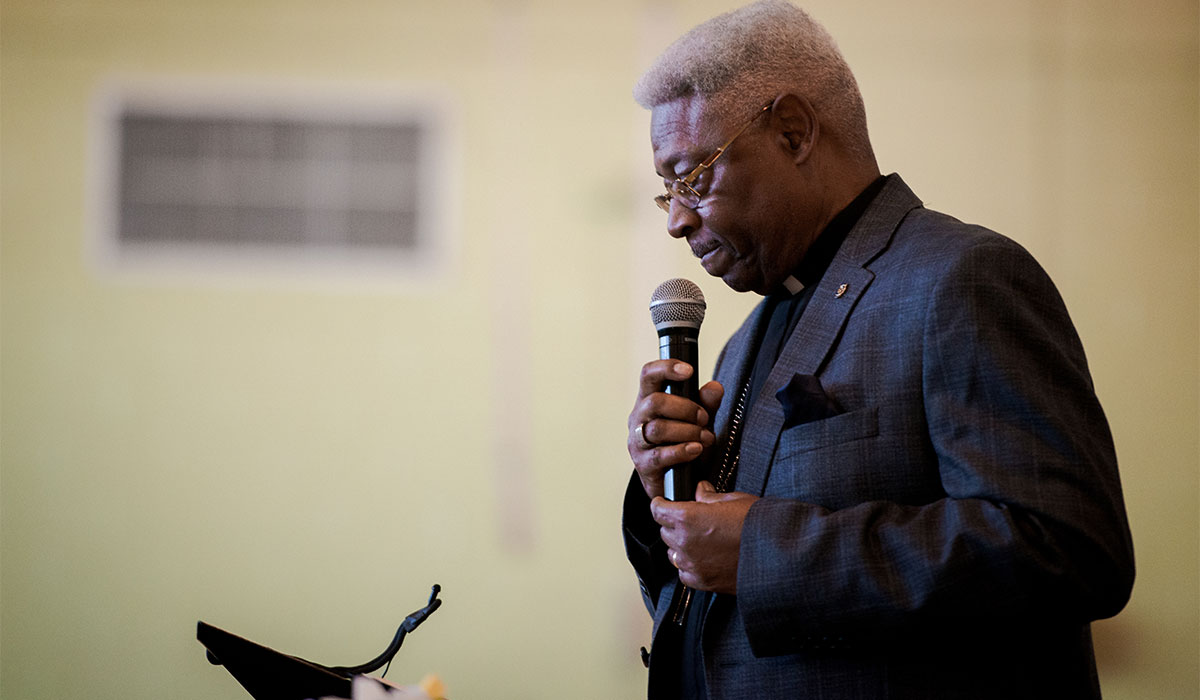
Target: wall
[{"x": 299, "y": 459}]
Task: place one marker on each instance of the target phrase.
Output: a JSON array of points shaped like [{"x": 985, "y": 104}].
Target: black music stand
[
  {"x": 271, "y": 675},
  {"x": 268, "y": 674}
]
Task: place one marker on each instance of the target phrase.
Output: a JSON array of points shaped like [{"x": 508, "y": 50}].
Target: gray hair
[{"x": 745, "y": 58}]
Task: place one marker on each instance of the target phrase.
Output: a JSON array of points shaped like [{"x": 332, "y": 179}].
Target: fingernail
[
  {"x": 702, "y": 417},
  {"x": 693, "y": 449},
  {"x": 683, "y": 368}
]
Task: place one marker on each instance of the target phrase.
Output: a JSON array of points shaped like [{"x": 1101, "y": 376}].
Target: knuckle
[
  {"x": 651, "y": 371},
  {"x": 649, "y": 408},
  {"x": 639, "y": 408}
]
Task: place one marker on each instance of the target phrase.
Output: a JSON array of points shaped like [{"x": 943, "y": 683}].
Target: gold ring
[{"x": 640, "y": 432}]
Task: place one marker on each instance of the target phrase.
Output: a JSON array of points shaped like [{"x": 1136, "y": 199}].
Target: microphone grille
[{"x": 677, "y": 303}]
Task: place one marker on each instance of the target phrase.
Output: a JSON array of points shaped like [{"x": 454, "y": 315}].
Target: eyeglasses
[{"x": 682, "y": 189}]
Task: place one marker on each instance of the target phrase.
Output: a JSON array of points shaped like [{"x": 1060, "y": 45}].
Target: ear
[{"x": 798, "y": 125}]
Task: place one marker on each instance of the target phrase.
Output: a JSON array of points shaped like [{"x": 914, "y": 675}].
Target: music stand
[{"x": 271, "y": 675}]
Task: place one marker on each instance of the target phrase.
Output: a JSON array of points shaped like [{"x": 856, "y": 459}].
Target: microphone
[{"x": 677, "y": 309}]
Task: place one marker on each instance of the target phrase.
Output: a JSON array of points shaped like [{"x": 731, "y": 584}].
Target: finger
[
  {"x": 711, "y": 395},
  {"x": 711, "y": 495},
  {"x": 663, "y": 405},
  {"x": 656, "y": 373},
  {"x": 666, "y": 513},
  {"x": 687, "y": 569},
  {"x": 660, "y": 431},
  {"x": 652, "y": 462}
]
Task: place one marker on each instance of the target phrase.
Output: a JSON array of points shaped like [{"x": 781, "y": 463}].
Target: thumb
[
  {"x": 710, "y": 397},
  {"x": 706, "y": 493}
]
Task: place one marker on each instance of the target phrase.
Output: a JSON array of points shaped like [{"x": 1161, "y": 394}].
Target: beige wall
[{"x": 298, "y": 460}]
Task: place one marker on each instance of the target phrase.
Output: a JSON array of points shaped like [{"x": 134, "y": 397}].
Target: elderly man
[{"x": 911, "y": 490}]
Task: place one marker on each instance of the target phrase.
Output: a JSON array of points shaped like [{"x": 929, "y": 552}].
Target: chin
[
  {"x": 745, "y": 278},
  {"x": 740, "y": 284}
]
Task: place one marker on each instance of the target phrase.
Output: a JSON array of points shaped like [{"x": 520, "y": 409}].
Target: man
[{"x": 911, "y": 489}]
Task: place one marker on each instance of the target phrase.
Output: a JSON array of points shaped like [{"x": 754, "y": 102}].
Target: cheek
[
  {"x": 741, "y": 216},
  {"x": 718, "y": 221},
  {"x": 733, "y": 233}
]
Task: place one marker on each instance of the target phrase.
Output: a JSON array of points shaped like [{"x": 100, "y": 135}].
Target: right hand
[{"x": 676, "y": 430}]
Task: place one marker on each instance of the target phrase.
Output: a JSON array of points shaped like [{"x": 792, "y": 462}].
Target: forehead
[{"x": 681, "y": 129}]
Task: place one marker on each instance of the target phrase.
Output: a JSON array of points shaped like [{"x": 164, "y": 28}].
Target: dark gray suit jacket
[{"x": 953, "y": 527}]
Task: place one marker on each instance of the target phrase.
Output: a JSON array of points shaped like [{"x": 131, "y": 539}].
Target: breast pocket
[
  {"x": 876, "y": 453},
  {"x": 839, "y": 429}
]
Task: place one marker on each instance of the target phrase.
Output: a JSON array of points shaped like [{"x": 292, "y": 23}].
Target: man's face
[{"x": 753, "y": 222}]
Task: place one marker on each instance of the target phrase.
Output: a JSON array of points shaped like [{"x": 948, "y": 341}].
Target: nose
[{"x": 681, "y": 221}]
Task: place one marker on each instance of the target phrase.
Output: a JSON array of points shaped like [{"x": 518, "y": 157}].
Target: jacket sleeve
[
  {"x": 643, "y": 546},
  {"x": 1030, "y": 527}
]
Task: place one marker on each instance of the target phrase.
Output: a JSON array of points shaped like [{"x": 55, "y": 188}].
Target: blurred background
[{"x": 297, "y": 451}]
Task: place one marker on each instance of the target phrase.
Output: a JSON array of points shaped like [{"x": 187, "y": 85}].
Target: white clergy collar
[{"x": 793, "y": 285}]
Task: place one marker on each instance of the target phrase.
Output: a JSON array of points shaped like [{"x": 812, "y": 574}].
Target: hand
[
  {"x": 704, "y": 536},
  {"x": 666, "y": 430}
]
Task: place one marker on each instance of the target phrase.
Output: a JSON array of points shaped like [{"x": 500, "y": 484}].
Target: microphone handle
[{"x": 679, "y": 482}]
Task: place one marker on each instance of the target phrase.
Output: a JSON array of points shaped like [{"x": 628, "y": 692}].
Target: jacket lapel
[
  {"x": 734, "y": 366},
  {"x": 810, "y": 344}
]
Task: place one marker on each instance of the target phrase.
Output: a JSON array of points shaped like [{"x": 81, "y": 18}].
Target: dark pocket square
[{"x": 804, "y": 400}]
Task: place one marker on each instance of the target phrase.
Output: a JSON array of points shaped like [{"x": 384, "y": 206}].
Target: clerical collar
[{"x": 822, "y": 250}]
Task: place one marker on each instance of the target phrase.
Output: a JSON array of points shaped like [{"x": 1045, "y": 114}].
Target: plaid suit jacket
[{"x": 951, "y": 530}]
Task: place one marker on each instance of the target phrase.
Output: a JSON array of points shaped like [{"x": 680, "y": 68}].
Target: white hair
[{"x": 743, "y": 59}]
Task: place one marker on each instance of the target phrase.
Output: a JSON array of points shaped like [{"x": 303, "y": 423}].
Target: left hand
[{"x": 703, "y": 536}]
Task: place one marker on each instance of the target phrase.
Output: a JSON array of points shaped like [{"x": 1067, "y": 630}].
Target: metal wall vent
[{"x": 251, "y": 178}]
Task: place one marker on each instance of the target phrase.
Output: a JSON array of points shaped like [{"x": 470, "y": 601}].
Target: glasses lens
[{"x": 687, "y": 196}]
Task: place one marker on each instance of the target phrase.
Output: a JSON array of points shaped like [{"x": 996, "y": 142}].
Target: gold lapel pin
[{"x": 841, "y": 290}]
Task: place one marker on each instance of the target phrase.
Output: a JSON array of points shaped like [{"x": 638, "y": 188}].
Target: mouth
[
  {"x": 715, "y": 260},
  {"x": 701, "y": 249},
  {"x": 704, "y": 252}
]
